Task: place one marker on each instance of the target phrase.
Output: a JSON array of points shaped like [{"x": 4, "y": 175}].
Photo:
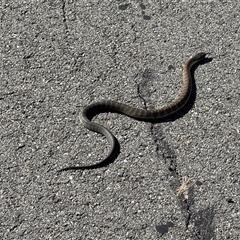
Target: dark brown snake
[{"x": 137, "y": 113}]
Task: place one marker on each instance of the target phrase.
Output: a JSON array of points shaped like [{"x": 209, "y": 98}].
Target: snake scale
[{"x": 137, "y": 113}]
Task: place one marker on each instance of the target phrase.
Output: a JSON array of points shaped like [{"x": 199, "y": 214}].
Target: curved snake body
[{"x": 136, "y": 112}]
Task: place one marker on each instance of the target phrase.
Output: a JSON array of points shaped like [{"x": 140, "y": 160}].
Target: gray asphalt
[{"x": 59, "y": 56}]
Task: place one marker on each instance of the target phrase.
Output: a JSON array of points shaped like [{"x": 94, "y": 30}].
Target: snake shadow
[{"x": 111, "y": 158}]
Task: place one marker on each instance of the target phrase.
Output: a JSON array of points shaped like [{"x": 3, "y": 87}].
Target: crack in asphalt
[
  {"x": 163, "y": 150},
  {"x": 64, "y": 14}
]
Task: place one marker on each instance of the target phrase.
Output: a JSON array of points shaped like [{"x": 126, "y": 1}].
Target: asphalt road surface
[{"x": 172, "y": 179}]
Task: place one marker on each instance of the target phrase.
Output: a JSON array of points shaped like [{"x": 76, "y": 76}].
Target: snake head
[{"x": 199, "y": 56}]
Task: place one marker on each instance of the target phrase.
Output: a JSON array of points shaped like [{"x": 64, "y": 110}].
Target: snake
[{"x": 137, "y": 113}]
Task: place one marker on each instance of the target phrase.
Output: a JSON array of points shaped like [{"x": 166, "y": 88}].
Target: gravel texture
[{"x": 174, "y": 179}]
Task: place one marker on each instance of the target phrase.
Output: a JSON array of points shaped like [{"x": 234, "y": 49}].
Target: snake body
[{"x": 108, "y": 105}]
